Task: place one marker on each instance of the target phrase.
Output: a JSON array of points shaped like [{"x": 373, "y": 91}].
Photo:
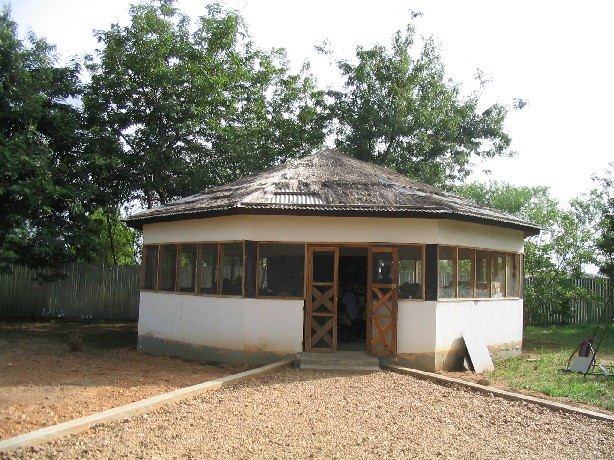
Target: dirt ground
[{"x": 43, "y": 383}]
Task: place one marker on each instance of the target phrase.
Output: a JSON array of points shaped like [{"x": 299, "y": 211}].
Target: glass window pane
[
  {"x": 187, "y": 268},
  {"x": 513, "y": 275},
  {"x": 497, "y": 278},
  {"x": 208, "y": 268},
  {"x": 482, "y": 269},
  {"x": 446, "y": 271},
  {"x": 382, "y": 267},
  {"x": 465, "y": 272},
  {"x": 323, "y": 267},
  {"x": 281, "y": 270},
  {"x": 168, "y": 267},
  {"x": 151, "y": 267},
  {"x": 410, "y": 272},
  {"x": 232, "y": 283}
]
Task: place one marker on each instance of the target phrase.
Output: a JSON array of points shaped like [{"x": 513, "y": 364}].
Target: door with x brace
[
  {"x": 321, "y": 302},
  {"x": 382, "y": 300}
]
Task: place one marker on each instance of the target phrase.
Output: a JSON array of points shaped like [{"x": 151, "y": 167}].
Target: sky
[{"x": 557, "y": 55}]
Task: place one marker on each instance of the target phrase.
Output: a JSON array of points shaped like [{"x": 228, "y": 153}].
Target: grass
[{"x": 545, "y": 351}]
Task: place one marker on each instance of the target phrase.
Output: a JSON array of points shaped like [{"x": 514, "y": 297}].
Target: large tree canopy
[
  {"x": 44, "y": 183},
  {"x": 179, "y": 109},
  {"x": 400, "y": 111}
]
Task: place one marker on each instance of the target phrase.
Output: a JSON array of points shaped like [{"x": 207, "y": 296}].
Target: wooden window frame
[
  {"x": 490, "y": 257},
  {"x": 292, "y": 243},
  {"x": 422, "y": 271}
]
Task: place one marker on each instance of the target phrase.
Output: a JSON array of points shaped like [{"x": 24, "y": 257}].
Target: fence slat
[
  {"x": 89, "y": 291},
  {"x": 581, "y": 310}
]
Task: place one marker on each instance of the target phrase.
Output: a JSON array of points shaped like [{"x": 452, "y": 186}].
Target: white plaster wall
[
  {"x": 295, "y": 229},
  {"x": 231, "y": 323},
  {"x": 480, "y": 236},
  {"x": 416, "y": 326},
  {"x": 498, "y": 321},
  {"x": 335, "y": 230}
]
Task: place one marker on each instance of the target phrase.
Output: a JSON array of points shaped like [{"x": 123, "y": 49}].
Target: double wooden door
[{"x": 323, "y": 298}]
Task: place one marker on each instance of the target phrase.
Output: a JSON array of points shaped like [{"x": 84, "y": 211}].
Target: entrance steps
[{"x": 348, "y": 361}]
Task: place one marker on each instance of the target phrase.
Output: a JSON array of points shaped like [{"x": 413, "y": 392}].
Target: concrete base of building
[{"x": 166, "y": 347}]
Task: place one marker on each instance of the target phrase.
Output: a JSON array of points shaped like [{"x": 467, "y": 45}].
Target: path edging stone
[{"x": 78, "y": 425}]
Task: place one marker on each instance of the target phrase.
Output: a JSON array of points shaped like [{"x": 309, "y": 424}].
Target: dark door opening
[{"x": 352, "y": 304}]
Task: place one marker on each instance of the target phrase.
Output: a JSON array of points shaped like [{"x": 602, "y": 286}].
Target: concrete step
[{"x": 349, "y": 361}]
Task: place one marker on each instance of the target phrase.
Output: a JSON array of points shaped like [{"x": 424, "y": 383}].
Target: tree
[
  {"x": 114, "y": 242},
  {"x": 604, "y": 195},
  {"x": 44, "y": 185},
  {"x": 399, "y": 111},
  {"x": 176, "y": 111},
  {"x": 556, "y": 257},
  {"x": 606, "y": 241}
]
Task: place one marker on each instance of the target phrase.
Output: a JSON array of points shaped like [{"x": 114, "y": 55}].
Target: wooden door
[
  {"x": 382, "y": 300},
  {"x": 321, "y": 305}
]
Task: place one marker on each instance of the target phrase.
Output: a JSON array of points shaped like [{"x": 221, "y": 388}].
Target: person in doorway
[{"x": 349, "y": 306}]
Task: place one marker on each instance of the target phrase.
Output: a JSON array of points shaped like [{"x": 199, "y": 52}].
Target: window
[
  {"x": 447, "y": 272},
  {"x": 513, "y": 275},
  {"x": 466, "y": 272},
  {"x": 187, "y": 268},
  {"x": 410, "y": 272},
  {"x": 150, "y": 271},
  {"x": 281, "y": 270},
  {"x": 207, "y": 268},
  {"x": 497, "y": 278},
  {"x": 167, "y": 272},
  {"x": 232, "y": 268},
  {"x": 482, "y": 274},
  {"x": 208, "y": 257}
]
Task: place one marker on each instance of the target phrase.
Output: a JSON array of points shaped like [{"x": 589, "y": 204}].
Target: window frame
[
  {"x": 289, "y": 243},
  {"x": 491, "y": 257},
  {"x": 422, "y": 271}
]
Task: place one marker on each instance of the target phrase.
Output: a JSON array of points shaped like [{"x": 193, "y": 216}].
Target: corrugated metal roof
[{"x": 290, "y": 197}]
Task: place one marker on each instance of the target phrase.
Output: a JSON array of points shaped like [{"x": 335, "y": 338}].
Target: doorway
[{"x": 351, "y": 300}]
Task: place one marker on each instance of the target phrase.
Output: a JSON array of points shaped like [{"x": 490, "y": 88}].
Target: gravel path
[{"x": 332, "y": 415}]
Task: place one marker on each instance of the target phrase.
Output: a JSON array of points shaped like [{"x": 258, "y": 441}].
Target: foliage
[
  {"x": 558, "y": 254},
  {"x": 177, "y": 109},
  {"x": 115, "y": 243},
  {"x": 399, "y": 111},
  {"x": 44, "y": 185},
  {"x": 605, "y": 242},
  {"x": 546, "y": 351}
]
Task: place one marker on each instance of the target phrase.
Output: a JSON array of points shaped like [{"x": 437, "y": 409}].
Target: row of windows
[
  {"x": 208, "y": 268},
  {"x": 218, "y": 269},
  {"x": 475, "y": 273}
]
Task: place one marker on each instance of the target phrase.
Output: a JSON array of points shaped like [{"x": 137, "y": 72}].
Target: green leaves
[
  {"x": 183, "y": 108},
  {"x": 397, "y": 109},
  {"x": 44, "y": 186}
]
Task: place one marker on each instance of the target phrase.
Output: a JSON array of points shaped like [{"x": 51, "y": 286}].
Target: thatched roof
[{"x": 329, "y": 183}]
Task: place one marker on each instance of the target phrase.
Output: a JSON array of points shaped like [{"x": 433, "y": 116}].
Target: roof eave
[{"x": 330, "y": 211}]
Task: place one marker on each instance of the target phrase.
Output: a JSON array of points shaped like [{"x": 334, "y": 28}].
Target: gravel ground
[{"x": 297, "y": 414}]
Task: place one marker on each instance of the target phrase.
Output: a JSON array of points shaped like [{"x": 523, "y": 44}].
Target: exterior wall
[
  {"x": 220, "y": 325},
  {"x": 430, "y": 333},
  {"x": 261, "y": 330},
  {"x": 480, "y": 236},
  {"x": 499, "y": 322},
  {"x": 335, "y": 230}
]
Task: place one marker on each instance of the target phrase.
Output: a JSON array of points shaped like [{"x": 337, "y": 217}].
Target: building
[{"x": 255, "y": 270}]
